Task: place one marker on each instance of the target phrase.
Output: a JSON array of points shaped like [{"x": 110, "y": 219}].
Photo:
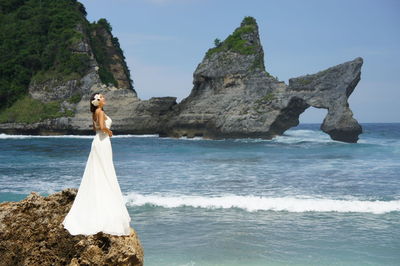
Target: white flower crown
[{"x": 96, "y": 100}]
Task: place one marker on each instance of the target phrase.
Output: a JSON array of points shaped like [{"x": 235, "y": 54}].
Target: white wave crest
[
  {"x": 301, "y": 135},
  {"x": 253, "y": 203}
]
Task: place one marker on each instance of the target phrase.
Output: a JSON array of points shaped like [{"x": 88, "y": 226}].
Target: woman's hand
[{"x": 110, "y": 133}]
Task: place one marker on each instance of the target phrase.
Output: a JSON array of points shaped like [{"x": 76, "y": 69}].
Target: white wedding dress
[{"x": 99, "y": 205}]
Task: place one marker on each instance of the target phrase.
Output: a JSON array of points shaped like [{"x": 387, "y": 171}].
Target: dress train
[{"x": 99, "y": 205}]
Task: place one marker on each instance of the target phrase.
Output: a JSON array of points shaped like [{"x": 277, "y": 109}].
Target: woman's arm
[{"x": 101, "y": 118}]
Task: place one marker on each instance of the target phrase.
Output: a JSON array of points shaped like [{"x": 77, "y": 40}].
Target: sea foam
[{"x": 254, "y": 203}]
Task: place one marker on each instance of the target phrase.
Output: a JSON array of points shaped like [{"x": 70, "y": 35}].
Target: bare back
[{"x": 98, "y": 118}]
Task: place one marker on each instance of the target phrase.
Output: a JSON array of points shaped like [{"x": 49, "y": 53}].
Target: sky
[{"x": 164, "y": 41}]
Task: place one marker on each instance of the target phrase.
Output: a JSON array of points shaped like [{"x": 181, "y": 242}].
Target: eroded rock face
[
  {"x": 67, "y": 89},
  {"x": 330, "y": 89},
  {"x": 57, "y": 88},
  {"x": 117, "y": 65},
  {"x": 31, "y": 233},
  {"x": 234, "y": 97},
  {"x": 129, "y": 114}
]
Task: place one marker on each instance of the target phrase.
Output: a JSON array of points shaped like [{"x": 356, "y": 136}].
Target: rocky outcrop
[
  {"x": 96, "y": 42},
  {"x": 31, "y": 233},
  {"x": 57, "y": 126},
  {"x": 129, "y": 114},
  {"x": 58, "y": 87},
  {"x": 110, "y": 50},
  {"x": 234, "y": 97},
  {"x": 330, "y": 89}
]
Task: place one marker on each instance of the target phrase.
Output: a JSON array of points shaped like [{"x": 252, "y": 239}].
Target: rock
[
  {"x": 234, "y": 97},
  {"x": 31, "y": 233},
  {"x": 57, "y": 88},
  {"x": 330, "y": 89},
  {"x": 116, "y": 64},
  {"x": 129, "y": 114},
  {"x": 53, "y": 89},
  {"x": 65, "y": 89},
  {"x": 56, "y": 126}
]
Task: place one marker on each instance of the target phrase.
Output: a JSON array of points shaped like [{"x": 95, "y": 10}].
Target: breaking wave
[{"x": 253, "y": 203}]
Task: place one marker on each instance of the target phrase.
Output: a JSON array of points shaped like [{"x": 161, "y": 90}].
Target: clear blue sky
[{"x": 164, "y": 41}]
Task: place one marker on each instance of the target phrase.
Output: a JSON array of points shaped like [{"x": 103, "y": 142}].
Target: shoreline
[{"x": 124, "y": 134}]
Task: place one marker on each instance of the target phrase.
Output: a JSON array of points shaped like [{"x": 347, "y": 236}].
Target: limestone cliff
[
  {"x": 31, "y": 233},
  {"x": 234, "y": 97},
  {"x": 130, "y": 115},
  {"x": 330, "y": 89},
  {"x": 106, "y": 64},
  {"x": 55, "y": 87},
  {"x": 107, "y": 52},
  {"x": 52, "y": 57}
]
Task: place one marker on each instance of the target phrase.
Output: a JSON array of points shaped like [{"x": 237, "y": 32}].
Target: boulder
[{"x": 31, "y": 233}]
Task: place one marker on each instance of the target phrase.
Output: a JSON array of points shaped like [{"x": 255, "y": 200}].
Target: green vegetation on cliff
[
  {"x": 266, "y": 99},
  {"x": 36, "y": 36},
  {"x": 245, "y": 41},
  {"x": 45, "y": 40},
  {"x": 29, "y": 110},
  {"x": 236, "y": 41},
  {"x": 103, "y": 53}
]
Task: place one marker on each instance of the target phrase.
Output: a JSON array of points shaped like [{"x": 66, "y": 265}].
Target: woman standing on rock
[{"x": 99, "y": 205}]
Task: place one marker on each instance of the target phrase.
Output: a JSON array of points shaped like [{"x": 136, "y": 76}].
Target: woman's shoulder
[{"x": 99, "y": 111}]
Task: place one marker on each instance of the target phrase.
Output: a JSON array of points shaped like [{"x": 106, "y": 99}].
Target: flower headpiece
[{"x": 96, "y": 100}]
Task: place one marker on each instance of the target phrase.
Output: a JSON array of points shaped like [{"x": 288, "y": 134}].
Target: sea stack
[{"x": 233, "y": 95}]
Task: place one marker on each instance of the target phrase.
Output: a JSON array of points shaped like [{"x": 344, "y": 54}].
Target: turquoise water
[{"x": 299, "y": 199}]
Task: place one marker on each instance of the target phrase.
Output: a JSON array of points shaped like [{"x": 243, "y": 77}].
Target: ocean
[{"x": 298, "y": 199}]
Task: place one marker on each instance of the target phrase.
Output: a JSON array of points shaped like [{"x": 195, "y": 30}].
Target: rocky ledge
[{"x": 31, "y": 233}]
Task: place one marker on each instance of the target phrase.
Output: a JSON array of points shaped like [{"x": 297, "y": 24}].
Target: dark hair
[{"x": 92, "y": 107}]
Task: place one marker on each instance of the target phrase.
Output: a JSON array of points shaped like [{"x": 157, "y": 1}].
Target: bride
[{"x": 98, "y": 205}]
